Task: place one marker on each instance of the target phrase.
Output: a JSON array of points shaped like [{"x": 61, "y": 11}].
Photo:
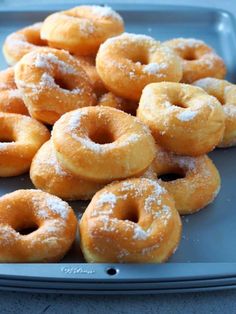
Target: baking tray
[{"x": 206, "y": 258}]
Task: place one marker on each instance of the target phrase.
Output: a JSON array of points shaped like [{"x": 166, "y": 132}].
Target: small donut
[
  {"x": 52, "y": 82},
  {"x": 199, "y": 60},
  {"x": 20, "y": 138},
  {"x": 225, "y": 92},
  {"x": 183, "y": 118},
  {"x": 51, "y": 222},
  {"x": 88, "y": 64},
  {"x": 128, "y": 62},
  {"x": 10, "y": 97},
  {"x": 133, "y": 221},
  {"x": 108, "y": 144},
  {"x": 111, "y": 100},
  {"x": 49, "y": 175},
  {"x": 82, "y": 29},
  {"x": 21, "y": 42},
  {"x": 193, "y": 182}
]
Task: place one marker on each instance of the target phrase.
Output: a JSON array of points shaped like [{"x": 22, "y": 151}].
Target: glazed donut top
[
  {"x": 223, "y": 90},
  {"x": 21, "y": 42},
  {"x": 178, "y": 103},
  {"x": 199, "y": 60},
  {"x": 138, "y": 215},
  {"x": 146, "y": 55},
  {"x": 53, "y": 82},
  {"x": 53, "y": 219},
  {"x": 86, "y": 28}
]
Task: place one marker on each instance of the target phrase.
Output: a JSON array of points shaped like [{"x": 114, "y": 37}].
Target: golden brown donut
[
  {"x": 225, "y": 92},
  {"x": 52, "y": 82},
  {"x": 21, "y": 42},
  {"x": 88, "y": 64},
  {"x": 183, "y": 118},
  {"x": 10, "y": 97},
  {"x": 20, "y": 138},
  {"x": 49, "y": 175},
  {"x": 133, "y": 221},
  {"x": 108, "y": 144},
  {"x": 199, "y": 60},
  {"x": 128, "y": 62},
  {"x": 82, "y": 29},
  {"x": 52, "y": 220},
  {"x": 111, "y": 100},
  {"x": 193, "y": 182}
]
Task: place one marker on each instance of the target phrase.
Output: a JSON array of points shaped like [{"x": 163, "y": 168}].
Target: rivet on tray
[{"x": 111, "y": 271}]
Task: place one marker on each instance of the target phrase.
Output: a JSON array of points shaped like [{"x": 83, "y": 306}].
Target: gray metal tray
[{"x": 206, "y": 258}]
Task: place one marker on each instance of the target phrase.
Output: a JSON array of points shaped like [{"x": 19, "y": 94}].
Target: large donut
[
  {"x": 88, "y": 64},
  {"x": 193, "y": 182},
  {"x": 82, "y": 29},
  {"x": 225, "y": 92},
  {"x": 20, "y": 138},
  {"x": 107, "y": 144},
  {"x": 52, "y": 82},
  {"x": 199, "y": 60},
  {"x": 134, "y": 221},
  {"x": 21, "y": 42},
  {"x": 49, "y": 175},
  {"x": 183, "y": 118},
  {"x": 111, "y": 100},
  {"x": 53, "y": 221},
  {"x": 127, "y": 63},
  {"x": 10, "y": 97}
]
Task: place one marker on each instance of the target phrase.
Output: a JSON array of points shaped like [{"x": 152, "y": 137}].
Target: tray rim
[{"x": 188, "y": 275}]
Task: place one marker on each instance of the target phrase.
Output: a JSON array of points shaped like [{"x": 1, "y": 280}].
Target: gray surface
[{"x": 209, "y": 302}]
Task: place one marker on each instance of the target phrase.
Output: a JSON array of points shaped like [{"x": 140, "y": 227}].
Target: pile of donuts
[{"x": 94, "y": 113}]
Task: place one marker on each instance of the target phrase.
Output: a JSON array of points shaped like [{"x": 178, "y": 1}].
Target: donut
[
  {"x": 183, "y": 118},
  {"x": 20, "y": 138},
  {"x": 21, "y": 42},
  {"x": 88, "y": 64},
  {"x": 134, "y": 221},
  {"x": 128, "y": 62},
  {"x": 35, "y": 227},
  {"x": 108, "y": 144},
  {"x": 52, "y": 82},
  {"x": 82, "y": 29},
  {"x": 10, "y": 97},
  {"x": 193, "y": 182},
  {"x": 49, "y": 175},
  {"x": 199, "y": 60},
  {"x": 111, "y": 100},
  {"x": 225, "y": 92}
]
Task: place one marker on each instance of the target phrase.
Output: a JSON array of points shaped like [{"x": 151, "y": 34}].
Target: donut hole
[
  {"x": 138, "y": 56},
  {"x": 27, "y": 229},
  {"x": 6, "y": 139},
  {"x": 172, "y": 175},
  {"x": 178, "y": 103},
  {"x": 63, "y": 83},
  {"x": 101, "y": 136},
  {"x": 190, "y": 55},
  {"x": 130, "y": 213}
]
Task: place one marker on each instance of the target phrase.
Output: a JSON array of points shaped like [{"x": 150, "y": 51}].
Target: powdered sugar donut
[
  {"x": 52, "y": 220},
  {"x": 193, "y": 182},
  {"x": 82, "y": 29},
  {"x": 20, "y": 138},
  {"x": 52, "y": 82},
  {"x": 107, "y": 144},
  {"x": 225, "y": 92},
  {"x": 128, "y": 62},
  {"x": 21, "y": 42},
  {"x": 199, "y": 60},
  {"x": 183, "y": 118},
  {"x": 134, "y": 221},
  {"x": 10, "y": 97}
]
